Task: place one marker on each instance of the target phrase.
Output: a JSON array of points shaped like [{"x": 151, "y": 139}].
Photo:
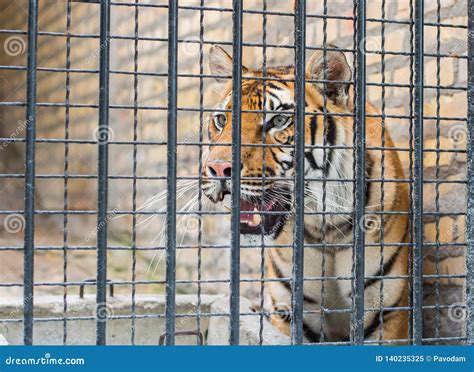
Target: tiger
[{"x": 267, "y": 117}]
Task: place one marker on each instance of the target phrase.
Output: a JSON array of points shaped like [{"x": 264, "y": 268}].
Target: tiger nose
[{"x": 219, "y": 168}]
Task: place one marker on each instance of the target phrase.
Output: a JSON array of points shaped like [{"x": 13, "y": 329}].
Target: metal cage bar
[
  {"x": 237, "y": 6},
  {"x": 102, "y": 138},
  {"x": 171, "y": 172},
  {"x": 470, "y": 177},
  {"x": 417, "y": 321},
  {"x": 360, "y": 182},
  {"x": 28, "y": 289},
  {"x": 298, "y": 244}
]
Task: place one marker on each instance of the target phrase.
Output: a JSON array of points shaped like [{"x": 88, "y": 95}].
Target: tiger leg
[{"x": 384, "y": 289}]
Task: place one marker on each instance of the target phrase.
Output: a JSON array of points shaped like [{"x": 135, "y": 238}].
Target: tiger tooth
[{"x": 257, "y": 219}]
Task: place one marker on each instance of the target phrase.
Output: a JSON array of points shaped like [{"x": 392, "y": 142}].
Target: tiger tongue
[
  {"x": 252, "y": 219},
  {"x": 246, "y": 206}
]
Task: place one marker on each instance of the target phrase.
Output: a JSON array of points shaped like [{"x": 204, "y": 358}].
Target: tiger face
[{"x": 268, "y": 119}]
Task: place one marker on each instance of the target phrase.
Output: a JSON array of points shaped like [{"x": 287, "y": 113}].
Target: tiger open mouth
[{"x": 275, "y": 210}]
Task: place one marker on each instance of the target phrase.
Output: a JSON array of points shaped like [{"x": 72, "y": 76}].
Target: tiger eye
[{"x": 280, "y": 120}]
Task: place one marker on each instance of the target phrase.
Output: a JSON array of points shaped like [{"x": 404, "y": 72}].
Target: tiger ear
[
  {"x": 220, "y": 63},
  {"x": 332, "y": 66}
]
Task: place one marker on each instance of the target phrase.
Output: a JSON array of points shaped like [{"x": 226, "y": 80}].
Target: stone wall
[{"x": 79, "y": 124}]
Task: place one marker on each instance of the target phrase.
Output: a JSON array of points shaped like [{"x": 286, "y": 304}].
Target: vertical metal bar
[
  {"x": 237, "y": 7},
  {"x": 28, "y": 280},
  {"x": 103, "y": 135},
  {"x": 200, "y": 161},
  {"x": 66, "y": 166},
  {"x": 171, "y": 171},
  {"x": 470, "y": 177},
  {"x": 418, "y": 178},
  {"x": 298, "y": 246},
  {"x": 134, "y": 170},
  {"x": 264, "y": 171},
  {"x": 359, "y": 149}
]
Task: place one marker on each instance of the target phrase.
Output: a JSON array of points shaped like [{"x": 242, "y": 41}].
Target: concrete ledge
[
  {"x": 149, "y": 325},
  {"x": 80, "y": 324},
  {"x": 218, "y": 333}
]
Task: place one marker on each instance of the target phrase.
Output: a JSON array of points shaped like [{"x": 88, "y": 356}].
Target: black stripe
[
  {"x": 374, "y": 325},
  {"x": 387, "y": 266},
  {"x": 271, "y": 104},
  {"x": 285, "y": 106},
  {"x": 369, "y": 163},
  {"x": 331, "y": 134},
  {"x": 284, "y": 164},
  {"x": 376, "y": 321},
  {"x": 344, "y": 227},
  {"x": 270, "y": 93},
  {"x": 331, "y": 131},
  {"x": 286, "y": 283},
  {"x": 313, "y": 125},
  {"x": 312, "y": 161},
  {"x": 311, "y": 336},
  {"x": 274, "y": 86}
]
